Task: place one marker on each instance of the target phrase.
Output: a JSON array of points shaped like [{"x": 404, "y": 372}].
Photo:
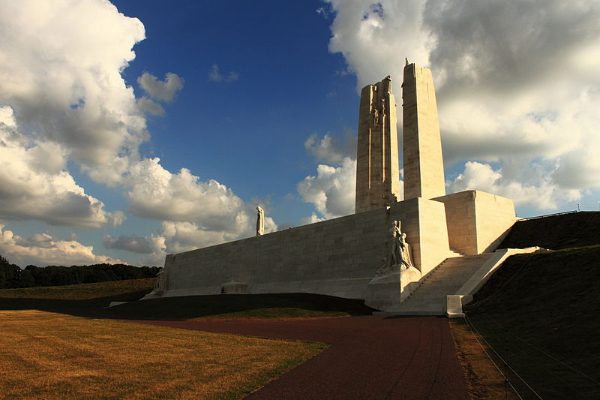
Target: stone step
[{"x": 445, "y": 279}]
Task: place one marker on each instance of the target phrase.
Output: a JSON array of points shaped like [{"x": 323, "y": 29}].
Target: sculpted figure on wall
[
  {"x": 396, "y": 247},
  {"x": 375, "y": 117},
  {"x": 399, "y": 254},
  {"x": 260, "y": 221},
  {"x": 406, "y": 258}
]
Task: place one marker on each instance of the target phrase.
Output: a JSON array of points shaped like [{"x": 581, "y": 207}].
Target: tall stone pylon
[
  {"x": 377, "y": 173},
  {"x": 422, "y": 146}
]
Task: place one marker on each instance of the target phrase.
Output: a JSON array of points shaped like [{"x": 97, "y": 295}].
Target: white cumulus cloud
[
  {"x": 42, "y": 249},
  {"x": 150, "y": 106},
  {"x": 162, "y": 90},
  {"x": 541, "y": 193},
  {"x": 517, "y": 83},
  {"x": 135, "y": 243},
  {"x": 60, "y": 71},
  {"x": 195, "y": 213},
  {"x": 331, "y": 190},
  {"x": 34, "y": 183},
  {"x": 69, "y": 106},
  {"x": 375, "y": 37},
  {"x": 331, "y": 149}
]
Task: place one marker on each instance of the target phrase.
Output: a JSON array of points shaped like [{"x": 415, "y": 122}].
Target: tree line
[{"x": 13, "y": 276}]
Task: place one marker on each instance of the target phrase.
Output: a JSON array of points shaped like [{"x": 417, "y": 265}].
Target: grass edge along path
[
  {"x": 56, "y": 356},
  {"x": 484, "y": 380},
  {"x": 540, "y": 313}
]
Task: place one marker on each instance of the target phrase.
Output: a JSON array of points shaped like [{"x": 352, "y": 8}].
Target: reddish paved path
[{"x": 369, "y": 358}]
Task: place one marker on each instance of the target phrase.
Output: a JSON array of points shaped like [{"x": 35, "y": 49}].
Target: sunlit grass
[
  {"x": 55, "y": 356},
  {"x": 83, "y": 291}
]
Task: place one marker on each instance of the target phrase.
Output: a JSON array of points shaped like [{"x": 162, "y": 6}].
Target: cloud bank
[
  {"x": 34, "y": 182},
  {"x": 42, "y": 249},
  {"x": 331, "y": 191},
  {"x": 64, "y": 104},
  {"x": 195, "y": 213},
  {"x": 517, "y": 83},
  {"x": 163, "y": 90}
]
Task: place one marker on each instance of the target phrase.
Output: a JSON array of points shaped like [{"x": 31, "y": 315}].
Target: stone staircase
[{"x": 429, "y": 298}]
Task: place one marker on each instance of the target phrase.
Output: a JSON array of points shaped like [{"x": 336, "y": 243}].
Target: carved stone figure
[
  {"x": 405, "y": 252},
  {"x": 377, "y": 170},
  {"x": 396, "y": 250},
  {"x": 375, "y": 117},
  {"x": 260, "y": 221},
  {"x": 399, "y": 251}
]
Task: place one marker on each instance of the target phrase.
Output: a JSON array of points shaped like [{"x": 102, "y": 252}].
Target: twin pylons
[{"x": 377, "y": 172}]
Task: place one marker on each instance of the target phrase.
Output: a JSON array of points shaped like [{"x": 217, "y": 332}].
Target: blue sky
[
  {"x": 248, "y": 133},
  {"x": 133, "y": 129}
]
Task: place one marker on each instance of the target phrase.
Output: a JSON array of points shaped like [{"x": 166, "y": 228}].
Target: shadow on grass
[
  {"x": 540, "y": 312},
  {"x": 182, "y": 308},
  {"x": 408, "y": 316}
]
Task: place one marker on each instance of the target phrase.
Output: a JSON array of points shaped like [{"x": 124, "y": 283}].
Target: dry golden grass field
[
  {"x": 56, "y": 356},
  {"x": 83, "y": 291}
]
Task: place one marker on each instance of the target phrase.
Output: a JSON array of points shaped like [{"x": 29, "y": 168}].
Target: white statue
[
  {"x": 399, "y": 251},
  {"x": 406, "y": 258},
  {"x": 260, "y": 221},
  {"x": 382, "y": 112},
  {"x": 375, "y": 117},
  {"x": 396, "y": 247}
]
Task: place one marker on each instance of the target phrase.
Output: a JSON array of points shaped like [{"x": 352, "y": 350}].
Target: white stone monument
[
  {"x": 344, "y": 256},
  {"x": 377, "y": 172},
  {"x": 260, "y": 221}
]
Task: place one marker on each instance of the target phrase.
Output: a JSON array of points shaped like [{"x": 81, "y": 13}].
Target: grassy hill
[
  {"x": 561, "y": 231},
  {"x": 284, "y": 305},
  {"x": 69, "y": 357},
  {"x": 92, "y": 300},
  {"x": 541, "y": 312},
  {"x": 84, "y": 291},
  {"x": 56, "y": 356}
]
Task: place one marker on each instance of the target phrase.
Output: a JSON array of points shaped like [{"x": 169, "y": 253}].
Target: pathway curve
[{"x": 370, "y": 357}]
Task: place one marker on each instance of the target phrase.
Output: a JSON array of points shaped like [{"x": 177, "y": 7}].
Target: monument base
[
  {"x": 386, "y": 291},
  {"x": 233, "y": 287}
]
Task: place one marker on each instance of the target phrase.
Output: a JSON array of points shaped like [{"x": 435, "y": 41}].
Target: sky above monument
[{"x": 133, "y": 129}]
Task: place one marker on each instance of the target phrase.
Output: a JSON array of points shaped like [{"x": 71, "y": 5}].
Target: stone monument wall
[
  {"x": 477, "y": 221},
  {"x": 422, "y": 146},
  {"x": 337, "y": 257},
  {"x": 377, "y": 168}
]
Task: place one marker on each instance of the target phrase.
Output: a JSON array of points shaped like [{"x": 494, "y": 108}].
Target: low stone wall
[{"x": 338, "y": 257}]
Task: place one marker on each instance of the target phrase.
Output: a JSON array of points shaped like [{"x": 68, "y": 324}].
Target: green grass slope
[
  {"x": 83, "y": 291},
  {"x": 93, "y": 299},
  {"x": 542, "y": 313},
  {"x": 281, "y": 305},
  {"x": 555, "y": 232}
]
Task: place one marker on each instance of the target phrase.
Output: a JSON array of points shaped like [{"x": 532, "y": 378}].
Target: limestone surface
[
  {"x": 260, "y": 221},
  {"x": 377, "y": 171},
  {"x": 337, "y": 257},
  {"x": 477, "y": 221},
  {"x": 422, "y": 146},
  {"x": 357, "y": 256}
]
